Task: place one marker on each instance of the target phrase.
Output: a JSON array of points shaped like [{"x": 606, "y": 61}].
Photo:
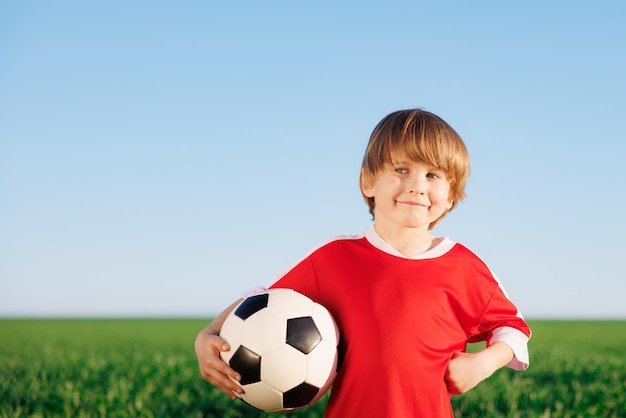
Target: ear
[
  {"x": 450, "y": 204},
  {"x": 366, "y": 186}
]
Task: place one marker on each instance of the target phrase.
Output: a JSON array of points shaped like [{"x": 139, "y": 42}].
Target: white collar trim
[{"x": 440, "y": 249}]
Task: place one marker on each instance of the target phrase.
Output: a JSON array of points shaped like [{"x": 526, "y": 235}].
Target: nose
[{"x": 417, "y": 185}]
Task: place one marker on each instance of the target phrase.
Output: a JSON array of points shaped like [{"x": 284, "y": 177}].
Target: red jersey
[{"x": 401, "y": 319}]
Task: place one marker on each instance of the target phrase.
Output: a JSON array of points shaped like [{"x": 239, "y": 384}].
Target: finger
[
  {"x": 222, "y": 368},
  {"x": 217, "y": 343},
  {"x": 220, "y": 374},
  {"x": 226, "y": 385}
]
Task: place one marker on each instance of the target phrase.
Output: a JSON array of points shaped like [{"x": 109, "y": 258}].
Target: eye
[
  {"x": 435, "y": 175},
  {"x": 401, "y": 170}
]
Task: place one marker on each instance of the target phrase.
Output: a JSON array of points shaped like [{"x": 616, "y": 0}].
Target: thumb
[{"x": 222, "y": 344}]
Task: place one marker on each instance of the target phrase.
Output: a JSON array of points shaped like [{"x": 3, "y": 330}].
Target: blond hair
[{"x": 419, "y": 136}]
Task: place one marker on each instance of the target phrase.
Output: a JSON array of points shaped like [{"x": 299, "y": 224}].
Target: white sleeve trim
[
  {"x": 518, "y": 341},
  {"x": 253, "y": 291}
]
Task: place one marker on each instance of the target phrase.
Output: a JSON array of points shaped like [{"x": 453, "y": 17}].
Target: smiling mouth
[{"x": 410, "y": 203}]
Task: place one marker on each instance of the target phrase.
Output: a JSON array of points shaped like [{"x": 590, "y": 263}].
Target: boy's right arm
[{"x": 213, "y": 369}]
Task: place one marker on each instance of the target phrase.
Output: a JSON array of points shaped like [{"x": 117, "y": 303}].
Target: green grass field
[{"x": 147, "y": 368}]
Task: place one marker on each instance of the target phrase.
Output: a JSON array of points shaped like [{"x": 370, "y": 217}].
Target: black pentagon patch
[
  {"x": 299, "y": 396},
  {"x": 248, "y": 364},
  {"x": 302, "y": 334},
  {"x": 252, "y": 305}
]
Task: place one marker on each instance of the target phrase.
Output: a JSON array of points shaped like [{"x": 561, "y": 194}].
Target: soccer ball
[{"x": 284, "y": 346}]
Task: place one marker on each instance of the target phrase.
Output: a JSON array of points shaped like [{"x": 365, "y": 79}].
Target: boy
[{"x": 406, "y": 302}]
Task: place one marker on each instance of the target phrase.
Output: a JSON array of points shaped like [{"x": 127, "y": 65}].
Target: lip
[{"x": 412, "y": 203}]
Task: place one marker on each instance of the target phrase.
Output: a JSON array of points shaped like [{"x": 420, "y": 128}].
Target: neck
[{"x": 408, "y": 241}]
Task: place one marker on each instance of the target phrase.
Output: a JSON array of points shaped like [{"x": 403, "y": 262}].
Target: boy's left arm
[
  {"x": 507, "y": 336},
  {"x": 506, "y": 346},
  {"x": 466, "y": 370}
]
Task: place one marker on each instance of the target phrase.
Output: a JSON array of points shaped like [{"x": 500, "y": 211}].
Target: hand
[
  {"x": 466, "y": 370},
  {"x": 464, "y": 373},
  {"x": 212, "y": 368}
]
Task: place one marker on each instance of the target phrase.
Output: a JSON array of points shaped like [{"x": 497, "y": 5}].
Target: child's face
[{"x": 409, "y": 194}]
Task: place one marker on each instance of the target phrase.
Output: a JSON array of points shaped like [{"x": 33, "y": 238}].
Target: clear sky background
[{"x": 162, "y": 158}]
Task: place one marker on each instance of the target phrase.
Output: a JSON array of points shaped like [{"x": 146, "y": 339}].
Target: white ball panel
[
  {"x": 321, "y": 364},
  {"x": 291, "y": 303},
  {"x": 264, "y": 331},
  {"x": 325, "y": 324},
  {"x": 263, "y": 396},
  {"x": 284, "y": 368},
  {"x": 232, "y": 331}
]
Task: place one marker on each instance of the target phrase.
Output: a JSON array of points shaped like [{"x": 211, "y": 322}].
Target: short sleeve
[{"x": 517, "y": 341}]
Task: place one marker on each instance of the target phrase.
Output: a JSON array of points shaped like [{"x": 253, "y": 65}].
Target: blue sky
[{"x": 161, "y": 158}]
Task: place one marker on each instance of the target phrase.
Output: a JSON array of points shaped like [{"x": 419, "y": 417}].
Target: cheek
[
  {"x": 384, "y": 185},
  {"x": 444, "y": 196}
]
